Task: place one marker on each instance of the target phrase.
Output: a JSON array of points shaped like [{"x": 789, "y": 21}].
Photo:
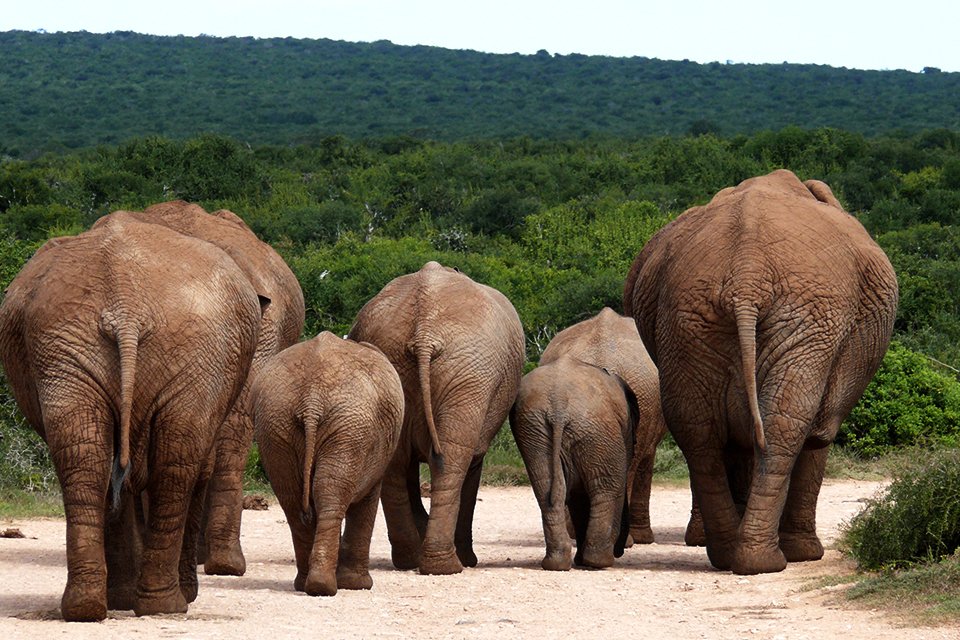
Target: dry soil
[{"x": 663, "y": 590}]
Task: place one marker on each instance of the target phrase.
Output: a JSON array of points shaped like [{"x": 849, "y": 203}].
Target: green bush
[
  {"x": 26, "y": 459},
  {"x": 916, "y": 519},
  {"x": 907, "y": 402}
]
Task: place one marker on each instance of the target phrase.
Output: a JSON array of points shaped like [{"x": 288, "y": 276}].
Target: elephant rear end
[
  {"x": 327, "y": 415},
  {"x": 767, "y": 311},
  {"x": 458, "y": 348},
  {"x": 573, "y": 424},
  {"x": 611, "y": 341},
  {"x": 185, "y": 314}
]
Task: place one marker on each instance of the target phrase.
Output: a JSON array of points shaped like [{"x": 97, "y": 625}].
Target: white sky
[{"x": 861, "y": 34}]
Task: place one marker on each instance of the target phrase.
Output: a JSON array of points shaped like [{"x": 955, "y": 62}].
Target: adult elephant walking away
[
  {"x": 327, "y": 416},
  {"x": 767, "y": 312},
  {"x": 280, "y": 327},
  {"x": 610, "y": 341},
  {"x": 125, "y": 347},
  {"x": 459, "y": 350}
]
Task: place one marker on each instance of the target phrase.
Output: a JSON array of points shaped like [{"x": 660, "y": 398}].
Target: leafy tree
[{"x": 908, "y": 402}]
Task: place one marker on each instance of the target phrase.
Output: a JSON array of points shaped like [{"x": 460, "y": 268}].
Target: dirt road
[{"x": 664, "y": 590}]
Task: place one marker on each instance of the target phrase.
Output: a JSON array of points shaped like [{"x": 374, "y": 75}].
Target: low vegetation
[{"x": 907, "y": 541}]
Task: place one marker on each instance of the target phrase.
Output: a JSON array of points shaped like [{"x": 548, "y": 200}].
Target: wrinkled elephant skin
[
  {"x": 610, "y": 341},
  {"x": 767, "y": 312},
  {"x": 458, "y": 347},
  {"x": 280, "y": 326},
  {"x": 574, "y": 423},
  {"x": 327, "y": 417},
  {"x": 125, "y": 347}
]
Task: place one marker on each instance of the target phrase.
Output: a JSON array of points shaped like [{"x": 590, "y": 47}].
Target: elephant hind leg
[
  {"x": 189, "y": 585},
  {"x": 468, "y": 502},
  {"x": 221, "y": 551},
  {"x": 353, "y": 564},
  {"x": 400, "y": 510},
  {"x": 640, "y": 530},
  {"x": 602, "y": 528},
  {"x": 84, "y": 469},
  {"x": 798, "y": 525},
  {"x": 124, "y": 548},
  {"x": 439, "y": 555},
  {"x": 331, "y": 496},
  {"x": 578, "y": 506}
]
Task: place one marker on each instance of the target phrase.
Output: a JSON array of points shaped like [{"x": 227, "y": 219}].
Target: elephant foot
[
  {"x": 721, "y": 554},
  {"x": 695, "y": 536},
  {"x": 353, "y": 579},
  {"x": 749, "y": 561},
  {"x": 594, "y": 558},
  {"x": 122, "y": 598},
  {"x": 641, "y": 535},
  {"x": 466, "y": 556},
  {"x": 189, "y": 587},
  {"x": 440, "y": 564},
  {"x": 80, "y": 604},
  {"x": 321, "y": 582},
  {"x": 800, "y": 547},
  {"x": 171, "y": 601},
  {"x": 225, "y": 560},
  {"x": 557, "y": 561},
  {"x": 404, "y": 559}
]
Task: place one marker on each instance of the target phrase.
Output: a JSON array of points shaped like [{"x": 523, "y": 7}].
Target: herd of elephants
[{"x": 151, "y": 350}]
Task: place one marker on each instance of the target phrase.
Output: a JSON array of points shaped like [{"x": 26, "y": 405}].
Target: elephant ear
[
  {"x": 822, "y": 192},
  {"x": 264, "y": 303}
]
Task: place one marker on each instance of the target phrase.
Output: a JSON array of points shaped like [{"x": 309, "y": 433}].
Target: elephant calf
[
  {"x": 327, "y": 417},
  {"x": 611, "y": 341},
  {"x": 574, "y": 425}
]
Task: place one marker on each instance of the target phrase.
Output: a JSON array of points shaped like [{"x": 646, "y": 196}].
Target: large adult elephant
[
  {"x": 280, "y": 327},
  {"x": 767, "y": 312},
  {"x": 458, "y": 347},
  {"x": 610, "y": 341},
  {"x": 125, "y": 347}
]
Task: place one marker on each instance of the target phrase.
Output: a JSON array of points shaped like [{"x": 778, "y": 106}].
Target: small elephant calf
[
  {"x": 327, "y": 418},
  {"x": 574, "y": 425}
]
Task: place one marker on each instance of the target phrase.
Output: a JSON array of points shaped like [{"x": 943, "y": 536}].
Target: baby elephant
[
  {"x": 327, "y": 417},
  {"x": 574, "y": 425}
]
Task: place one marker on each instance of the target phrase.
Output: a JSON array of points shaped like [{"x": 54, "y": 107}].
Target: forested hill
[{"x": 68, "y": 90}]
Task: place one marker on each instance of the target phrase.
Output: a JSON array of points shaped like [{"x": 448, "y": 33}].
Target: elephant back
[
  {"x": 267, "y": 272},
  {"x": 444, "y": 308}
]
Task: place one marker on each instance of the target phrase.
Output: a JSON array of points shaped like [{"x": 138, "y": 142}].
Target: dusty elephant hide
[
  {"x": 125, "y": 347},
  {"x": 458, "y": 348},
  {"x": 767, "y": 312}
]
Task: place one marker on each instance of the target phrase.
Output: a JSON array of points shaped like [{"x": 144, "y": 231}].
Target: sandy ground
[{"x": 665, "y": 589}]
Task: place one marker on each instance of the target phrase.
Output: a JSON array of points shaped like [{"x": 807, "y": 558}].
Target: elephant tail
[
  {"x": 309, "y": 453},
  {"x": 128, "y": 340},
  {"x": 746, "y": 315},
  {"x": 424, "y": 353}
]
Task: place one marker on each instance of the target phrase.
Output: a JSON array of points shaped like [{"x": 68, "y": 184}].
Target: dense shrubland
[
  {"x": 554, "y": 225},
  {"x": 64, "y": 91}
]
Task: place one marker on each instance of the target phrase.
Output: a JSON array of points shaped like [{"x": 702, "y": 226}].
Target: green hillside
[{"x": 70, "y": 90}]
